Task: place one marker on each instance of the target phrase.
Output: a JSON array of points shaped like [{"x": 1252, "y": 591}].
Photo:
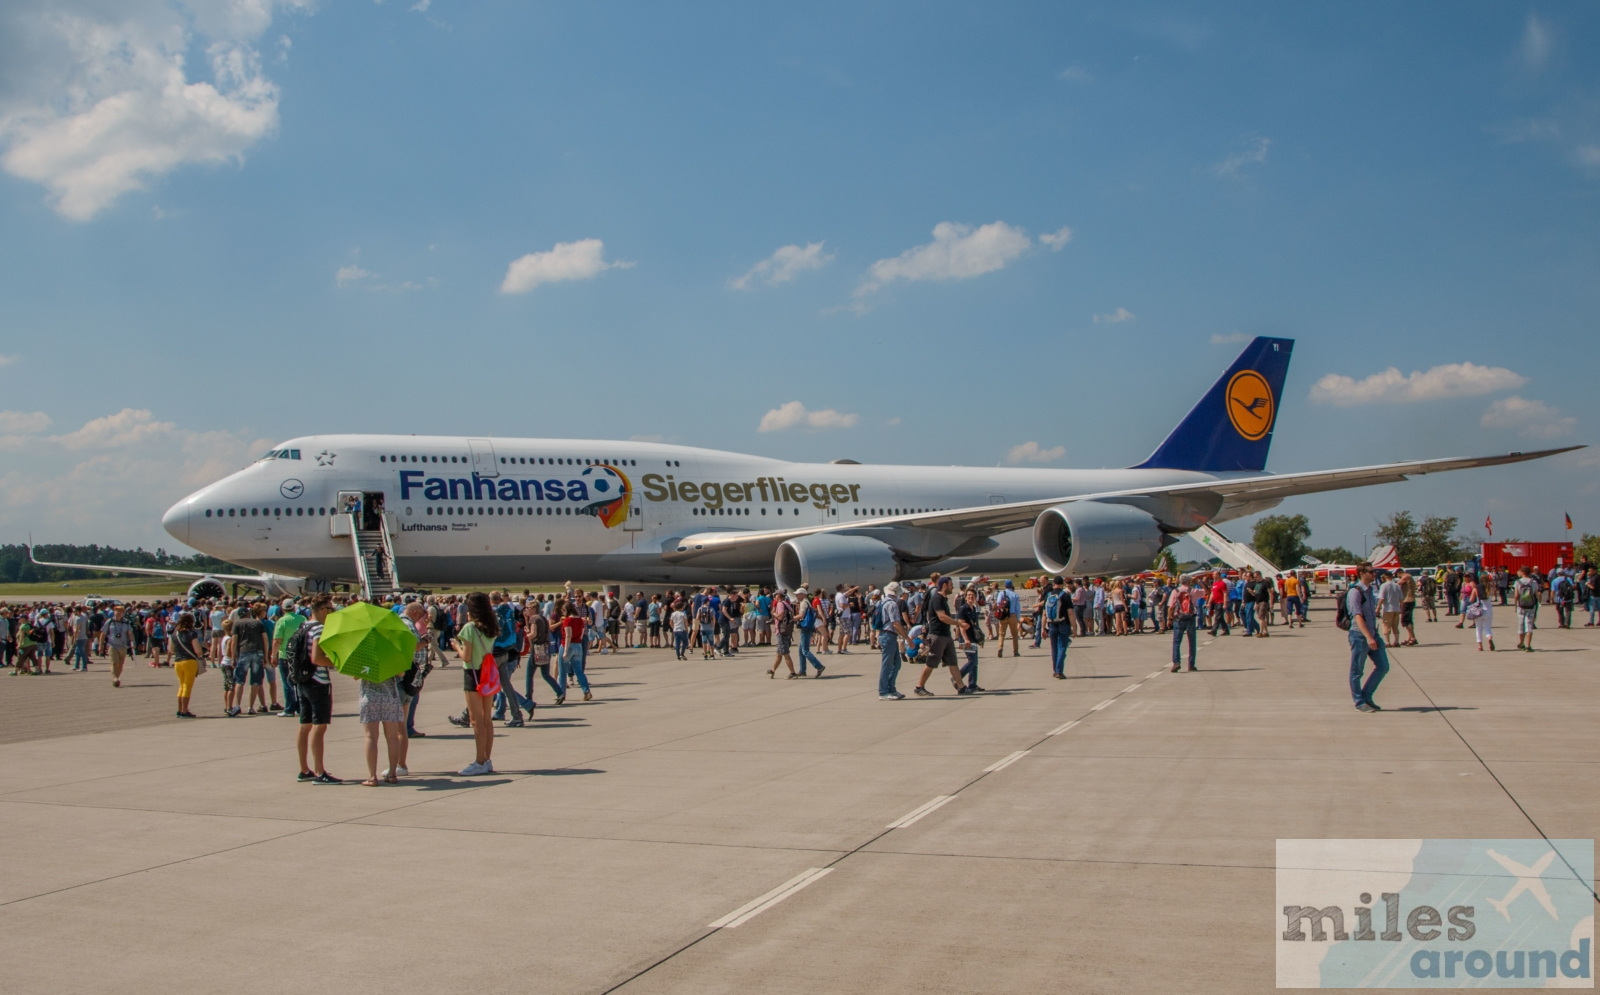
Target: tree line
[
  {"x": 1284, "y": 540},
  {"x": 16, "y": 569}
]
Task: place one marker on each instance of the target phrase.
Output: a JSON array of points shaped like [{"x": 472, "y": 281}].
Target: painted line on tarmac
[
  {"x": 1058, "y": 730},
  {"x": 1103, "y": 704},
  {"x": 920, "y": 811},
  {"x": 755, "y": 907},
  {"x": 1134, "y": 687},
  {"x": 1006, "y": 762},
  {"x": 1156, "y": 674}
]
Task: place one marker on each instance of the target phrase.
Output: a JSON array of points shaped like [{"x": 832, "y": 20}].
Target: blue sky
[{"x": 224, "y": 224}]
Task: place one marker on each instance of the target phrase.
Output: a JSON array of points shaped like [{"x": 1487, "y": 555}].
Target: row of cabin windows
[
  {"x": 270, "y": 512},
  {"x": 522, "y": 460}
]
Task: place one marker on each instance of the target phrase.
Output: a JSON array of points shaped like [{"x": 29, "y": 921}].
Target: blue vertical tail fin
[{"x": 1231, "y": 427}]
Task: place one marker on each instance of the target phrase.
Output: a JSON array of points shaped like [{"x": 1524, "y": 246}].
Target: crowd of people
[{"x": 270, "y": 662}]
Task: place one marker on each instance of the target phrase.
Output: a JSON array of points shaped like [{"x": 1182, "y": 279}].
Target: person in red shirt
[
  {"x": 572, "y": 652},
  {"x": 1219, "y": 606}
]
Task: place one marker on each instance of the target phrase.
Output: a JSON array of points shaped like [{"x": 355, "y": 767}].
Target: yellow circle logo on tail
[{"x": 1250, "y": 404}]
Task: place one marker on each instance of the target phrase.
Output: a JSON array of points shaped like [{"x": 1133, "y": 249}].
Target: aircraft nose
[{"x": 176, "y": 521}]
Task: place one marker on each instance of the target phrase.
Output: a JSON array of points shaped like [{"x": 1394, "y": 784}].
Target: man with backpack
[
  {"x": 888, "y": 621},
  {"x": 506, "y": 660},
  {"x": 1525, "y": 592},
  {"x": 1182, "y": 610},
  {"x": 315, "y": 692},
  {"x": 1359, "y": 616},
  {"x": 1058, "y": 616},
  {"x": 1008, "y": 613}
]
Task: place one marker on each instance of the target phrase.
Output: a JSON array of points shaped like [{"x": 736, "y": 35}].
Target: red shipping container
[{"x": 1516, "y": 555}]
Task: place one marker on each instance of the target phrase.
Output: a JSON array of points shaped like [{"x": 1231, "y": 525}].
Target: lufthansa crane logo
[
  {"x": 291, "y": 488},
  {"x": 1250, "y": 404}
]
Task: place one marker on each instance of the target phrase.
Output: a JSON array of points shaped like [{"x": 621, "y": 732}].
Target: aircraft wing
[
  {"x": 989, "y": 520},
  {"x": 254, "y": 579}
]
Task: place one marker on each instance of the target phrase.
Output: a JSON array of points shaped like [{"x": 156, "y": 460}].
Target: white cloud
[
  {"x": 1534, "y": 419},
  {"x": 957, "y": 252},
  {"x": 1254, "y": 151},
  {"x": 578, "y": 260},
  {"x": 1393, "y": 387},
  {"x": 1029, "y": 452},
  {"x": 421, "y": 6},
  {"x": 23, "y": 422},
  {"x": 1538, "y": 43},
  {"x": 111, "y": 480},
  {"x": 350, "y": 274},
  {"x": 128, "y": 427},
  {"x": 784, "y": 265},
  {"x": 8, "y": 360},
  {"x": 1232, "y": 338},
  {"x": 1075, "y": 73},
  {"x": 96, "y": 99},
  {"x": 1116, "y": 317},
  {"x": 1058, "y": 239},
  {"x": 795, "y": 415}
]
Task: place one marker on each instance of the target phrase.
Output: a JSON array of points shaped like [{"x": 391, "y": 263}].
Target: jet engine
[
  {"x": 819, "y": 562},
  {"x": 1081, "y": 538},
  {"x": 209, "y": 588}
]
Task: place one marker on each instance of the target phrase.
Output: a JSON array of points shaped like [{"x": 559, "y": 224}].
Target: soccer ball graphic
[{"x": 608, "y": 494}]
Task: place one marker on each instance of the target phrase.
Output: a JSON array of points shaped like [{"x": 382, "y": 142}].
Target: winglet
[{"x": 1231, "y": 427}]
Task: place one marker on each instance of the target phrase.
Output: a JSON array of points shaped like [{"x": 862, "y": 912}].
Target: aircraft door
[
  {"x": 484, "y": 463},
  {"x": 635, "y": 522}
]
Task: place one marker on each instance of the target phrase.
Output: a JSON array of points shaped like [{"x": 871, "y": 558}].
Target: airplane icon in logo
[
  {"x": 1253, "y": 405},
  {"x": 1527, "y": 880}
]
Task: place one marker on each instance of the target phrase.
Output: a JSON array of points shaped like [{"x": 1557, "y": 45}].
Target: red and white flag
[{"x": 1488, "y": 525}]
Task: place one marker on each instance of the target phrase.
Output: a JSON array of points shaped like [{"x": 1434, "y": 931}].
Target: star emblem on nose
[{"x": 325, "y": 458}]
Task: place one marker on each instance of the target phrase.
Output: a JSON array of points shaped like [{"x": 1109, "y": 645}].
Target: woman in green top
[{"x": 474, "y": 642}]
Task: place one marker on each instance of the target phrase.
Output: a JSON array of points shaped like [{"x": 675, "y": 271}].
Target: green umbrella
[{"x": 365, "y": 641}]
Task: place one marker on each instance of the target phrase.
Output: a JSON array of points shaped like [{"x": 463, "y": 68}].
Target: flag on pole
[
  {"x": 1569, "y": 521},
  {"x": 1488, "y": 525}
]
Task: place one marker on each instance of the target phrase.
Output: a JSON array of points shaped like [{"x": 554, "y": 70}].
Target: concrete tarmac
[{"x": 1110, "y": 832}]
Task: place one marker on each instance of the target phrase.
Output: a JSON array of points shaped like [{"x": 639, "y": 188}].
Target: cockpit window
[{"x": 281, "y": 454}]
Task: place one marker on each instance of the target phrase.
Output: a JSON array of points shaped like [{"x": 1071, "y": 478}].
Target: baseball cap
[{"x": 1008, "y": 583}]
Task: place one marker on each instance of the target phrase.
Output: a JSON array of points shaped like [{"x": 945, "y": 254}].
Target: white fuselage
[{"x": 539, "y": 511}]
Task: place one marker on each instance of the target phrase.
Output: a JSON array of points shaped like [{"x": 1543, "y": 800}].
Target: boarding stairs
[{"x": 374, "y": 560}]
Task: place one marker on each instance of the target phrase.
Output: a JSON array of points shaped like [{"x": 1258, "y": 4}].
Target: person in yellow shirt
[{"x": 1291, "y": 601}]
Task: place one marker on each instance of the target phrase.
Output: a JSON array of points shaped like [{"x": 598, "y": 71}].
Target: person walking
[
  {"x": 506, "y": 661},
  {"x": 940, "y": 649},
  {"x": 1361, "y": 615},
  {"x": 573, "y": 626},
  {"x": 969, "y": 615},
  {"x": 679, "y": 623},
  {"x": 1525, "y": 593},
  {"x": 783, "y": 626},
  {"x": 888, "y": 621},
  {"x": 1389, "y": 604},
  {"x": 1408, "y": 606},
  {"x": 474, "y": 643},
  {"x": 118, "y": 634},
  {"x": 1219, "y": 606},
  {"x": 1481, "y": 612},
  {"x": 1008, "y": 615},
  {"x": 1058, "y": 616},
  {"x": 807, "y": 620},
  {"x": 1181, "y": 609},
  {"x": 186, "y": 651}
]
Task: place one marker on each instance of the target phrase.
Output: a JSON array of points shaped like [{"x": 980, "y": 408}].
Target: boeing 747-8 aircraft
[{"x": 382, "y": 510}]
